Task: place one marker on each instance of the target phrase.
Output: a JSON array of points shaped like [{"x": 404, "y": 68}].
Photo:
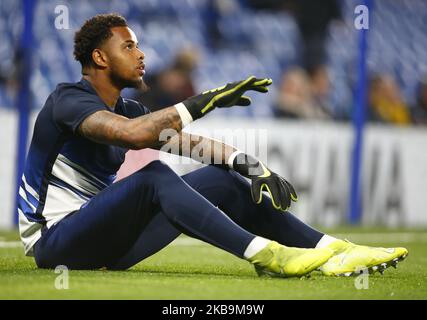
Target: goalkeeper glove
[
  {"x": 280, "y": 190},
  {"x": 226, "y": 96}
]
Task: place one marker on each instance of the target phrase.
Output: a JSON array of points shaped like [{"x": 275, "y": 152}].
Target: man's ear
[{"x": 99, "y": 58}]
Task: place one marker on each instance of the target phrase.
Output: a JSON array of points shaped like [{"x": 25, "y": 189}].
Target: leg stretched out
[{"x": 231, "y": 193}]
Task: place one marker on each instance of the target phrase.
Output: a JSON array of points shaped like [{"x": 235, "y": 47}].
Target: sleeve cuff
[
  {"x": 232, "y": 157},
  {"x": 185, "y": 115}
]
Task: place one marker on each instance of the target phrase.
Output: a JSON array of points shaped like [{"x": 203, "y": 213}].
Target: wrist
[
  {"x": 230, "y": 161},
  {"x": 246, "y": 165},
  {"x": 185, "y": 115},
  {"x": 192, "y": 108}
]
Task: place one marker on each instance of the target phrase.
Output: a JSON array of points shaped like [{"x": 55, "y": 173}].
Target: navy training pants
[{"x": 141, "y": 214}]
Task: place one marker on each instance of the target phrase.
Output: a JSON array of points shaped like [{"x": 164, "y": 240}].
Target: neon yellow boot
[
  {"x": 350, "y": 259},
  {"x": 276, "y": 260}
]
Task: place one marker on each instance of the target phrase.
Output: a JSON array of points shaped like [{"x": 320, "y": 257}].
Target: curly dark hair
[{"x": 94, "y": 33}]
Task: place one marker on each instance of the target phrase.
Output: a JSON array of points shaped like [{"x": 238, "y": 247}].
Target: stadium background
[{"x": 224, "y": 41}]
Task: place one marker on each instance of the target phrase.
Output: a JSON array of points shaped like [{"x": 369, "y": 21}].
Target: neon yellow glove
[{"x": 226, "y": 96}]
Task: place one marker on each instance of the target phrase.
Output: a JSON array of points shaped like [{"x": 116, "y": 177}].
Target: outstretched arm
[{"x": 144, "y": 131}]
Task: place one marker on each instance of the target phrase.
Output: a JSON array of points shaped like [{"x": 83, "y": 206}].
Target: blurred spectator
[
  {"x": 320, "y": 87},
  {"x": 295, "y": 97},
  {"x": 313, "y": 18},
  {"x": 386, "y": 104},
  {"x": 173, "y": 84},
  {"x": 212, "y": 14},
  {"x": 10, "y": 79},
  {"x": 419, "y": 111}
]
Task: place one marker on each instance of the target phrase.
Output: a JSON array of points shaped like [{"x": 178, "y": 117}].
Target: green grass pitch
[{"x": 190, "y": 269}]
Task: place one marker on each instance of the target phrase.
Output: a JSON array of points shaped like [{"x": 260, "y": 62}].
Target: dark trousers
[{"x": 141, "y": 214}]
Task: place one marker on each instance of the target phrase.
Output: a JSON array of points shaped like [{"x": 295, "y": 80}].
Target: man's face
[{"x": 125, "y": 59}]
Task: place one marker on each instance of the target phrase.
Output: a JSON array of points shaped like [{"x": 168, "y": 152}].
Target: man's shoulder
[
  {"x": 73, "y": 90},
  {"x": 71, "y": 103}
]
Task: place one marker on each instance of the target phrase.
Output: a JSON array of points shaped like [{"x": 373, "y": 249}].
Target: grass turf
[{"x": 194, "y": 270}]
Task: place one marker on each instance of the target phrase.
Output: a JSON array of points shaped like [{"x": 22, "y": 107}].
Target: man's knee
[
  {"x": 228, "y": 176},
  {"x": 220, "y": 174},
  {"x": 229, "y": 181},
  {"x": 156, "y": 164},
  {"x": 156, "y": 172},
  {"x": 211, "y": 176},
  {"x": 157, "y": 167}
]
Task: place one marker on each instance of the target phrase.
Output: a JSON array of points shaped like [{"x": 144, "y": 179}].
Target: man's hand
[
  {"x": 226, "y": 96},
  {"x": 280, "y": 190}
]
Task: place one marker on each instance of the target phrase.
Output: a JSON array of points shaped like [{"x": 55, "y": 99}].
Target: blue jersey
[{"x": 64, "y": 170}]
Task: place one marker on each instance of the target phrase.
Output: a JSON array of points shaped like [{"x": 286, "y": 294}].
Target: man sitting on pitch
[{"x": 71, "y": 213}]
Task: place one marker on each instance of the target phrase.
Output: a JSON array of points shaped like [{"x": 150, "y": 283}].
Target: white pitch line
[
  {"x": 396, "y": 238},
  {"x": 187, "y": 242},
  {"x": 363, "y": 238},
  {"x": 10, "y": 244},
  {"x": 183, "y": 242},
  {"x": 392, "y": 237}
]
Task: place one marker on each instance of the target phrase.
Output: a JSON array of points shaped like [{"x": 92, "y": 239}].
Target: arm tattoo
[
  {"x": 199, "y": 148},
  {"x": 142, "y": 132}
]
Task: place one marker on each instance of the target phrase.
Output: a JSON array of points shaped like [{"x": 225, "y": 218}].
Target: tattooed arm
[
  {"x": 144, "y": 131},
  {"x": 199, "y": 148},
  {"x": 139, "y": 133}
]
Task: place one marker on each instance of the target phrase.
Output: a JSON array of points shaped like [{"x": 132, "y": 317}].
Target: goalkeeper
[{"x": 71, "y": 213}]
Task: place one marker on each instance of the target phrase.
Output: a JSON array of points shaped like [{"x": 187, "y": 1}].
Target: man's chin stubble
[
  {"x": 139, "y": 85},
  {"x": 143, "y": 86},
  {"x": 136, "y": 84}
]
